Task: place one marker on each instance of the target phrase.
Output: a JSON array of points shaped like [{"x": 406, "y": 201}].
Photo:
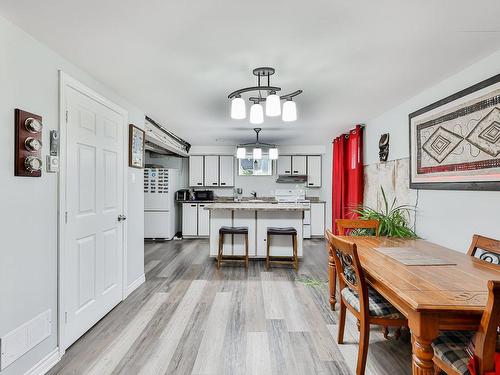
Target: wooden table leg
[
  {"x": 424, "y": 328},
  {"x": 332, "y": 277}
]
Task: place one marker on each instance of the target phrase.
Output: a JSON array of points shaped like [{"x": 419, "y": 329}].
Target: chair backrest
[
  {"x": 485, "y": 339},
  {"x": 349, "y": 270},
  {"x": 345, "y": 224},
  {"x": 489, "y": 249}
]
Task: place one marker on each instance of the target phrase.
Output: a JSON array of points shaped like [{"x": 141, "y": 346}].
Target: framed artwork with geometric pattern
[{"x": 455, "y": 142}]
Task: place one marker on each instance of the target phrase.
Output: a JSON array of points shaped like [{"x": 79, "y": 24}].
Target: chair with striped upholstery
[
  {"x": 368, "y": 306},
  {"x": 450, "y": 348}
]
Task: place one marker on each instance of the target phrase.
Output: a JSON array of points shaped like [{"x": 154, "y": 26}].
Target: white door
[
  {"x": 314, "y": 171},
  {"x": 226, "y": 170},
  {"x": 93, "y": 249},
  {"x": 203, "y": 221},
  {"x": 189, "y": 219},
  {"x": 196, "y": 170},
  {"x": 284, "y": 165},
  {"x": 211, "y": 170},
  {"x": 298, "y": 165}
]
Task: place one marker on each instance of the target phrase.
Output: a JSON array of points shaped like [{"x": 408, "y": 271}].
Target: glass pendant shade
[
  {"x": 238, "y": 109},
  {"x": 241, "y": 152},
  {"x": 273, "y": 153},
  {"x": 257, "y": 153},
  {"x": 273, "y": 105},
  {"x": 289, "y": 111},
  {"x": 256, "y": 114}
]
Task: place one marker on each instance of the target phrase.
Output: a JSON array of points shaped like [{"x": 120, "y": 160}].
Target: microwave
[{"x": 203, "y": 195}]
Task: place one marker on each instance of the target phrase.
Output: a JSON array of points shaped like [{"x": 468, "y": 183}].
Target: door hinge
[
  {"x": 65, "y": 317},
  {"x": 66, "y": 116},
  {"x": 66, "y": 217}
]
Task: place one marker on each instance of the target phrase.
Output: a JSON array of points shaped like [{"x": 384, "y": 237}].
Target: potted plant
[{"x": 394, "y": 220}]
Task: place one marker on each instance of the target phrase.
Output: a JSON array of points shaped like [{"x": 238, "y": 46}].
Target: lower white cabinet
[
  {"x": 203, "y": 220},
  {"x": 195, "y": 220},
  {"x": 189, "y": 219},
  {"x": 317, "y": 219}
]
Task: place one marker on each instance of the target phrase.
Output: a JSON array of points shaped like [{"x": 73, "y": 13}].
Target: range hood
[{"x": 289, "y": 179}]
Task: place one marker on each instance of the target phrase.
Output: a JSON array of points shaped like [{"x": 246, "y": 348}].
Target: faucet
[{"x": 253, "y": 194}]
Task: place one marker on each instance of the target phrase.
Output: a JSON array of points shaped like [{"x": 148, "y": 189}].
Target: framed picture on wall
[
  {"x": 136, "y": 147},
  {"x": 455, "y": 142}
]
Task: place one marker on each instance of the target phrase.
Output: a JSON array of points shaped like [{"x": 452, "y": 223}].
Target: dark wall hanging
[
  {"x": 383, "y": 145},
  {"x": 28, "y": 144},
  {"x": 136, "y": 147},
  {"x": 455, "y": 142}
]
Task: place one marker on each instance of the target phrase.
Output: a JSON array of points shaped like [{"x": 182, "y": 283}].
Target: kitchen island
[{"x": 257, "y": 216}]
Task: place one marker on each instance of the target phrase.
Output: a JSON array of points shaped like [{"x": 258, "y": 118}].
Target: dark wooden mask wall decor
[{"x": 383, "y": 145}]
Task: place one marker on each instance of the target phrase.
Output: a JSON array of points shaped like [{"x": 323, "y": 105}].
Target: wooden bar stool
[
  {"x": 288, "y": 231},
  {"x": 232, "y": 258}
]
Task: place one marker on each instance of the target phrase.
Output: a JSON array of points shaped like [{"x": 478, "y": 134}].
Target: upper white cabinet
[
  {"x": 226, "y": 170},
  {"x": 211, "y": 170},
  {"x": 299, "y": 165},
  {"x": 196, "y": 170},
  {"x": 314, "y": 171},
  {"x": 284, "y": 165}
]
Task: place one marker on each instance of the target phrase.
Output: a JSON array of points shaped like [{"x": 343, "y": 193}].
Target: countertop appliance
[
  {"x": 203, "y": 195},
  {"x": 183, "y": 195},
  {"x": 297, "y": 196},
  {"x": 160, "y": 211}
]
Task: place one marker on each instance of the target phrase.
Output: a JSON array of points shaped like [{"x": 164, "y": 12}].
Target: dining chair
[
  {"x": 450, "y": 353},
  {"x": 366, "y": 304},
  {"x": 344, "y": 225},
  {"x": 489, "y": 249}
]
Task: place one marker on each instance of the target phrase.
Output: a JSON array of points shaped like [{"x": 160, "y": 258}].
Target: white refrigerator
[{"x": 160, "y": 209}]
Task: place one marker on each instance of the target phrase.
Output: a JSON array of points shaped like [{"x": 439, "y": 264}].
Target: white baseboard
[
  {"x": 136, "y": 284},
  {"x": 45, "y": 364}
]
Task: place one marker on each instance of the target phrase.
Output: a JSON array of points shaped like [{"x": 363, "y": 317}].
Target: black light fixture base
[{"x": 264, "y": 71}]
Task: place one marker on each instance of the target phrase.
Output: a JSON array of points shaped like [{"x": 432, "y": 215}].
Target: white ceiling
[{"x": 178, "y": 59}]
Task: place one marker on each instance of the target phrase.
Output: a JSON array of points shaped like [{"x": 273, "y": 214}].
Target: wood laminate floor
[{"x": 189, "y": 318}]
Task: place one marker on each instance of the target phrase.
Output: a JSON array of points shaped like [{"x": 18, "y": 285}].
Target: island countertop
[{"x": 258, "y": 206}]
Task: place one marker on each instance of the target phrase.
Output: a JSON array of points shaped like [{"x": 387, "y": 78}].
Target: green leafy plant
[
  {"x": 312, "y": 282},
  {"x": 394, "y": 220}
]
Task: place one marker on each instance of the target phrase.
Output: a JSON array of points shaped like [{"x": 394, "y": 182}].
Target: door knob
[{"x": 122, "y": 217}]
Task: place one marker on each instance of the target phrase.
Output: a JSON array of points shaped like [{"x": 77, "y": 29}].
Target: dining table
[{"x": 436, "y": 288}]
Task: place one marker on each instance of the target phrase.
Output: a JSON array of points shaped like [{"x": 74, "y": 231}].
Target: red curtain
[{"x": 347, "y": 174}]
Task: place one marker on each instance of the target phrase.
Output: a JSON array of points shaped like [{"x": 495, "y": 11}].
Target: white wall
[
  {"x": 28, "y": 206},
  {"x": 445, "y": 217},
  {"x": 265, "y": 186}
]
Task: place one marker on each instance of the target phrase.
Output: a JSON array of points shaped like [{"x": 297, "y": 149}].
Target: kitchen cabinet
[
  {"x": 189, "y": 219},
  {"x": 284, "y": 165},
  {"x": 211, "y": 170},
  {"x": 314, "y": 171},
  {"x": 226, "y": 170},
  {"x": 203, "y": 220},
  {"x": 318, "y": 219},
  {"x": 196, "y": 170},
  {"x": 299, "y": 164}
]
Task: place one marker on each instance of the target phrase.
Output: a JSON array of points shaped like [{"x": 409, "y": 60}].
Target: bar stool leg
[
  {"x": 267, "y": 253},
  {"x": 246, "y": 250},
  {"x": 295, "y": 257},
  {"x": 219, "y": 254}
]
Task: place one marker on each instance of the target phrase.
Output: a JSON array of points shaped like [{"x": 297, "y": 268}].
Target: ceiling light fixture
[
  {"x": 258, "y": 149},
  {"x": 273, "y": 100}
]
